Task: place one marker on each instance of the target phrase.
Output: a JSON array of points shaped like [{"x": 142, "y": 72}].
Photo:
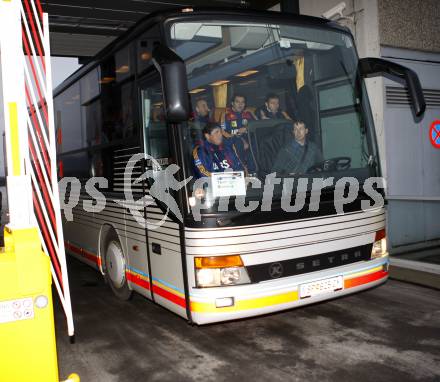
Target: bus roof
[{"x": 182, "y": 13}]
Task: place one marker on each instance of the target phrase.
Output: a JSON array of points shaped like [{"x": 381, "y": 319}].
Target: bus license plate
[{"x": 321, "y": 287}]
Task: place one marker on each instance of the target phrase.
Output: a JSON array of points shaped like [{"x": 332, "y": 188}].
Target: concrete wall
[
  {"x": 413, "y": 163},
  {"x": 410, "y": 24},
  {"x": 401, "y": 31}
]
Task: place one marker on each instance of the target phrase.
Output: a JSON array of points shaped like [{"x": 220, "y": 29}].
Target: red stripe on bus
[
  {"x": 138, "y": 280},
  {"x": 356, "y": 281},
  {"x": 91, "y": 257},
  {"x": 169, "y": 296},
  {"x": 83, "y": 253},
  {"x": 156, "y": 289},
  {"x": 132, "y": 278}
]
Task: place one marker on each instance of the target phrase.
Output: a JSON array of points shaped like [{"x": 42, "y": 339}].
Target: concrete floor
[{"x": 390, "y": 333}]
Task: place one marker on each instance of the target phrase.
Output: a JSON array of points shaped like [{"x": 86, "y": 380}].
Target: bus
[{"x": 218, "y": 239}]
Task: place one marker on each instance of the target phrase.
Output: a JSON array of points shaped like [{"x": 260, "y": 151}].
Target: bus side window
[
  {"x": 154, "y": 125},
  {"x": 68, "y": 109}
]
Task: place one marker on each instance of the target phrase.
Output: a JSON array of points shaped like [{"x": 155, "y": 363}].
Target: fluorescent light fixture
[
  {"x": 246, "y": 73},
  {"x": 123, "y": 69},
  {"x": 107, "y": 80},
  {"x": 219, "y": 82},
  {"x": 195, "y": 91},
  {"x": 145, "y": 56}
]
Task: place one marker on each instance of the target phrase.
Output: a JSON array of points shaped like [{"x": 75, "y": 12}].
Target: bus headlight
[
  {"x": 220, "y": 271},
  {"x": 380, "y": 245}
]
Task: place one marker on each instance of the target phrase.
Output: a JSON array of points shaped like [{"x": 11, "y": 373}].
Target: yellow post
[{"x": 27, "y": 333}]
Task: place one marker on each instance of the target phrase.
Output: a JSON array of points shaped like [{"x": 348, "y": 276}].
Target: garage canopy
[{"x": 80, "y": 28}]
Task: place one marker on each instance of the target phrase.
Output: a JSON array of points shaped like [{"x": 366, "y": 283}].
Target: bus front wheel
[{"x": 115, "y": 267}]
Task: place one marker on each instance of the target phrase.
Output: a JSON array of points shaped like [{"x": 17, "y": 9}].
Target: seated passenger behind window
[
  {"x": 235, "y": 119},
  {"x": 234, "y": 123},
  {"x": 202, "y": 112},
  {"x": 201, "y": 116},
  {"x": 271, "y": 109},
  {"x": 299, "y": 154},
  {"x": 307, "y": 110},
  {"x": 215, "y": 153}
]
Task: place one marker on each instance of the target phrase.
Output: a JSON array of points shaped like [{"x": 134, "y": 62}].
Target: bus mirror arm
[
  {"x": 373, "y": 67},
  {"x": 174, "y": 83}
]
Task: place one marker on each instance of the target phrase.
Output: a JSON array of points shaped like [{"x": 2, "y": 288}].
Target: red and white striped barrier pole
[{"x": 33, "y": 193}]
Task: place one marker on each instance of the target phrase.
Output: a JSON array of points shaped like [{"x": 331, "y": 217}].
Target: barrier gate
[{"x": 34, "y": 245}]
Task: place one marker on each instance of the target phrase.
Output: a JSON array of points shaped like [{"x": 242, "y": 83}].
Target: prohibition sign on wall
[{"x": 434, "y": 134}]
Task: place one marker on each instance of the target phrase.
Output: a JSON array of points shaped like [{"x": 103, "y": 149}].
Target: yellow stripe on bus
[
  {"x": 255, "y": 303},
  {"x": 371, "y": 270},
  {"x": 15, "y": 146},
  {"x": 163, "y": 286},
  {"x": 262, "y": 302}
]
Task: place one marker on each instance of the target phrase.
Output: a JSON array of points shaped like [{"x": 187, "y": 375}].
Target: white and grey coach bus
[{"x": 242, "y": 242}]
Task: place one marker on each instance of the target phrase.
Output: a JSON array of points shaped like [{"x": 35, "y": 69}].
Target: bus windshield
[{"x": 271, "y": 101}]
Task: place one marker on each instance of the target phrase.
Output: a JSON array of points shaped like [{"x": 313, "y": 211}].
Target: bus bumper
[{"x": 281, "y": 294}]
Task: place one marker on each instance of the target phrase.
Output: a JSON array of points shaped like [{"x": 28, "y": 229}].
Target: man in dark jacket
[
  {"x": 216, "y": 153},
  {"x": 299, "y": 154},
  {"x": 271, "y": 109},
  {"x": 202, "y": 112}
]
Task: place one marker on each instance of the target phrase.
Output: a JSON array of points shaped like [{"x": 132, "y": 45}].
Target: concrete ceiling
[{"x": 80, "y": 28}]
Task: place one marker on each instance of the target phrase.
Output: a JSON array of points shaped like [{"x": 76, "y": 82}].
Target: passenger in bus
[
  {"x": 236, "y": 118},
  {"x": 202, "y": 112},
  {"x": 299, "y": 154},
  {"x": 271, "y": 109},
  {"x": 215, "y": 153},
  {"x": 158, "y": 113},
  {"x": 234, "y": 123},
  {"x": 307, "y": 111},
  {"x": 200, "y": 117}
]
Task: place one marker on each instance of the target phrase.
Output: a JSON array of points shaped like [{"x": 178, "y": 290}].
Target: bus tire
[{"x": 115, "y": 267}]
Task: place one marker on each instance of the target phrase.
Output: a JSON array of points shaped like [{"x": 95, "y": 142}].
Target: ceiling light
[
  {"x": 123, "y": 69},
  {"x": 106, "y": 80},
  {"x": 219, "y": 82},
  {"x": 145, "y": 56},
  {"x": 246, "y": 73},
  {"x": 195, "y": 91}
]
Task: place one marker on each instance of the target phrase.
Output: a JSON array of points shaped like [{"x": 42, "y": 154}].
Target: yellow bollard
[
  {"x": 27, "y": 333},
  {"x": 72, "y": 378}
]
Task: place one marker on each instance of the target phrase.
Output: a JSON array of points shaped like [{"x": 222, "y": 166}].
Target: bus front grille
[{"x": 301, "y": 265}]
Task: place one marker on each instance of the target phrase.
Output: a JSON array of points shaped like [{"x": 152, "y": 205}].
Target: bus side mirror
[
  {"x": 174, "y": 83},
  {"x": 373, "y": 67}
]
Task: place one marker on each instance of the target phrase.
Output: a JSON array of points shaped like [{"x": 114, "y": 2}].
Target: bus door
[{"x": 163, "y": 234}]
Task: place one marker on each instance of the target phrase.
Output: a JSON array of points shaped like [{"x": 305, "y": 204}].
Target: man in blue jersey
[
  {"x": 216, "y": 153},
  {"x": 234, "y": 123},
  {"x": 236, "y": 118}
]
